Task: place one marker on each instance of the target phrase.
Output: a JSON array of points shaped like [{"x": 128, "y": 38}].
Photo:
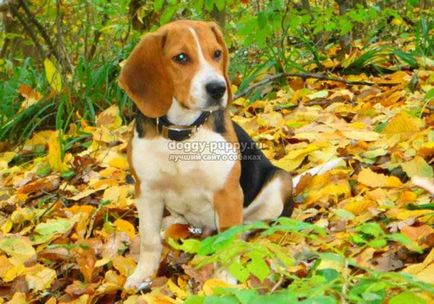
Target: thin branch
[
  {"x": 45, "y": 36},
  {"x": 5, "y": 4},
  {"x": 61, "y": 45},
  {"x": 28, "y": 30},
  {"x": 97, "y": 35},
  {"x": 316, "y": 76}
]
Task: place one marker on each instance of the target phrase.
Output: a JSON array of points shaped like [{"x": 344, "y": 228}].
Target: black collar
[{"x": 179, "y": 133}]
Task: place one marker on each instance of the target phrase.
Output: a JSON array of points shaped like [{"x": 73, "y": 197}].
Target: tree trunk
[{"x": 345, "y": 40}]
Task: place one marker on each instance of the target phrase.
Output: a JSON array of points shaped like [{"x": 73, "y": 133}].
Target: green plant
[
  {"x": 372, "y": 235},
  {"x": 332, "y": 277}
]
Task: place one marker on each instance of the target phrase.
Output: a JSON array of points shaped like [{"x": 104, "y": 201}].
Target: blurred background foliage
[{"x": 59, "y": 60}]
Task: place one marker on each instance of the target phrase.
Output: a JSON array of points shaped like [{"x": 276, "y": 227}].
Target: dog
[{"x": 177, "y": 78}]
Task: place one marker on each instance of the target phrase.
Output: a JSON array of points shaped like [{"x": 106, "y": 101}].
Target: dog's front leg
[{"x": 150, "y": 210}]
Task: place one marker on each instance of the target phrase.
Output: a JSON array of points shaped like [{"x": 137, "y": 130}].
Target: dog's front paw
[{"x": 137, "y": 282}]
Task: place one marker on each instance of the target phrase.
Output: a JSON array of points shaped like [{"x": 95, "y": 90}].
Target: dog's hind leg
[{"x": 273, "y": 200}]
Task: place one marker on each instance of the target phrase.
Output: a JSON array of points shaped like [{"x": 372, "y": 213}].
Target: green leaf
[
  {"x": 168, "y": 14},
  {"x": 372, "y": 229},
  {"x": 158, "y": 5},
  {"x": 282, "y": 297},
  {"x": 257, "y": 266},
  {"x": 209, "y": 5},
  {"x": 68, "y": 174},
  {"x": 44, "y": 170},
  {"x": 189, "y": 245},
  {"x": 329, "y": 273},
  {"x": 377, "y": 243},
  {"x": 405, "y": 298},
  {"x": 197, "y": 5},
  {"x": 418, "y": 167},
  {"x": 246, "y": 296},
  {"x": 291, "y": 225},
  {"x": 404, "y": 240},
  {"x": 319, "y": 300},
  {"x": 239, "y": 271},
  {"x": 343, "y": 214},
  {"x": 262, "y": 19},
  {"x": 220, "y": 4},
  {"x": 224, "y": 239},
  {"x": 220, "y": 300},
  {"x": 357, "y": 239},
  {"x": 194, "y": 300},
  {"x": 46, "y": 231}
]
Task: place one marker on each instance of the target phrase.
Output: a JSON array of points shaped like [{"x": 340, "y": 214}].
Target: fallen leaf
[
  {"x": 39, "y": 277},
  {"x": 418, "y": 167},
  {"x": 371, "y": 179},
  {"x": 18, "y": 248},
  {"x": 402, "y": 123}
]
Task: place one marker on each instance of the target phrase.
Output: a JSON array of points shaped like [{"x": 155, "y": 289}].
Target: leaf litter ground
[{"x": 361, "y": 233}]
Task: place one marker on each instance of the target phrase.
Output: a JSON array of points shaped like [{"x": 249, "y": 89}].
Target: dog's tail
[
  {"x": 289, "y": 203},
  {"x": 319, "y": 169}
]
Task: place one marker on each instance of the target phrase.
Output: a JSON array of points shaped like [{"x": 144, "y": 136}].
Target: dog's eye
[
  {"x": 217, "y": 54},
  {"x": 181, "y": 58}
]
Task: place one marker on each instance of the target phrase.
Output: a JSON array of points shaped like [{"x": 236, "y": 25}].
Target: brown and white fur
[{"x": 169, "y": 73}]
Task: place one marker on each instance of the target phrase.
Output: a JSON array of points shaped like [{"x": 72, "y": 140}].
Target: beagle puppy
[{"x": 186, "y": 155}]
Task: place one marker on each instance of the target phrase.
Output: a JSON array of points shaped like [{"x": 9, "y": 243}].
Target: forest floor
[{"x": 361, "y": 233}]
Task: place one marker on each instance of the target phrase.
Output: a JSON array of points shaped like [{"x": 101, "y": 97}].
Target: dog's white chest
[{"x": 185, "y": 175}]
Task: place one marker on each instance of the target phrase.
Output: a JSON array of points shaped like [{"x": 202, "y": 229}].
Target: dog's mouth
[{"x": 210, "y": 106}]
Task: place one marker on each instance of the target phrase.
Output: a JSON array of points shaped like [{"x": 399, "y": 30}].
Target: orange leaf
[{"x": 371, "y": 179}]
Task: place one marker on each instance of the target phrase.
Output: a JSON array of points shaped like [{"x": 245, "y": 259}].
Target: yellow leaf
[
  {"x": 157, "y": 299},
  {"x": 5, "y": 265},
  {"x": 18, "y": 298},
  {"x": 124, "y": 265},
  {"x": 14, "y": 272},
  {"x": 51, "y": 301},
  {"x": 109, "y": 118},
  {"x": 423, "y": 271},
  {"x": 134, "y": 299},
  {"x": 39, "y": 138},
  {"x": 39, "y": 277},
  {"x": 5, "y": 158},
  {"x": 119, "y": 162},
  {"x": 330, "y": 190},
  {"x": 240, "y": 102},
  {"x": 84, "y": 299},
  {"x": 361, "y": 135},
  {"x": 418, "y": 167},
  {"x": 369, "y": 178},
  {"x": 289, "y": 164},
  {"x": 402, "y": 123},
  {"x": 211, "y": 284},
  {"x": 102, "y": 262},
  {"x": 53, "y": 75},
  {"x": 55, "y": 153},
  {"x": 358, "y": 207},
  {"x": 403, "y": 215},
  {"x": 126, "y": 227},
  {"x": 176, "y": 290},
  {"x": 18, "y": 248}
]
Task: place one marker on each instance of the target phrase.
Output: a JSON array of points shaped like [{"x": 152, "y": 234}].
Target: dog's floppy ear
[
  {"x": 144, "y": 77},
  {"x": 216, "y": 29}
]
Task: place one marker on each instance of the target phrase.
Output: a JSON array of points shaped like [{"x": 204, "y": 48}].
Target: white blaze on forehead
[
  {"x": 200, "y": 56},
  {"x": 204, "y": 75}
]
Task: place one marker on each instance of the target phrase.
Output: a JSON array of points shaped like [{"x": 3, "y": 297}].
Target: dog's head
[{"x": 183, "y": 60}]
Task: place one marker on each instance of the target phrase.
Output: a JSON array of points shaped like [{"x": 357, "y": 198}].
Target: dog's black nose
[{"x": 216, "y": 89}]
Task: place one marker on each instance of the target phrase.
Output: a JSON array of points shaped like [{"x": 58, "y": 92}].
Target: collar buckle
[{"x": 179, "y": 133}]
